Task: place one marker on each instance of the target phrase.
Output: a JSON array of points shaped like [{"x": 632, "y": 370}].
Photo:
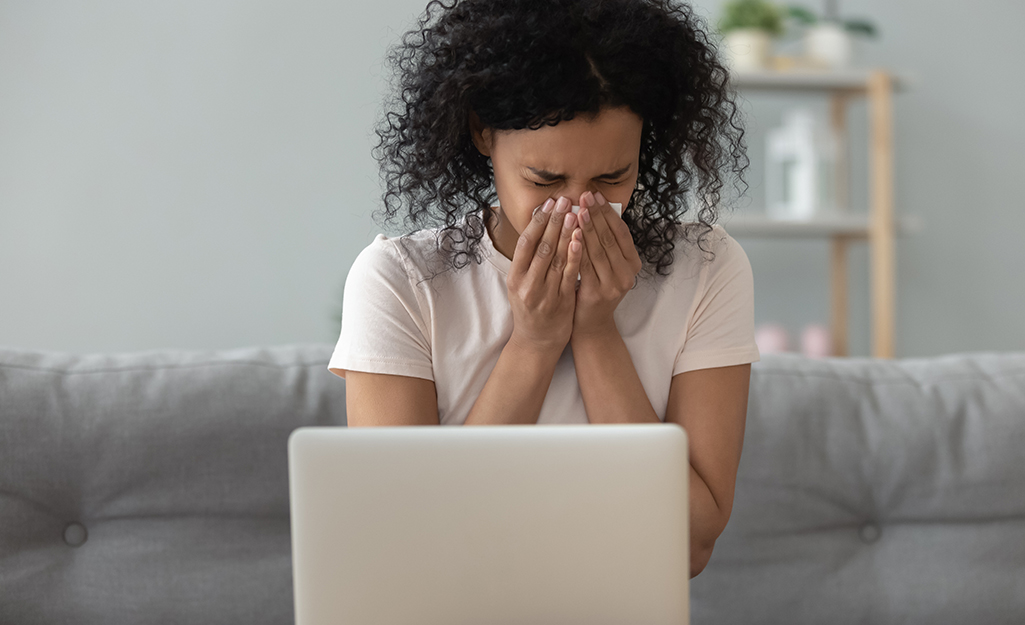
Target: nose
[{"x": 573, "y": 194}]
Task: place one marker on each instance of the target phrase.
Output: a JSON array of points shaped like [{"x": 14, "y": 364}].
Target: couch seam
[
  {"x": 160, "y": 367},
  {"x": 877, "y": 381}
]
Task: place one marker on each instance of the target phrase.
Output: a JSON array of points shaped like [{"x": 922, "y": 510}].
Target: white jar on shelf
[
  {"x": 829, "y": 45},
  {"x": 748, "y": 49},
  {"x": 800, "y": 167}
]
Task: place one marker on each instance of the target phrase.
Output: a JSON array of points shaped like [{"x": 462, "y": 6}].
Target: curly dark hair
[{"x": 526, "y": 63}]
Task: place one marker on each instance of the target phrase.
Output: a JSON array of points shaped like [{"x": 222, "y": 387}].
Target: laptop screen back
[{"x": 553, "y": 524}]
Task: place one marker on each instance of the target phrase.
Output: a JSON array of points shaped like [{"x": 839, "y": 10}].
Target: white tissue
[{"x": 616, "y": 206}]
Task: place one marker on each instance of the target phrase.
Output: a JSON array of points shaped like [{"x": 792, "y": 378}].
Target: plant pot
[
  {"x": 747, "y": 49},
  {"x": 829, "y": 45}
]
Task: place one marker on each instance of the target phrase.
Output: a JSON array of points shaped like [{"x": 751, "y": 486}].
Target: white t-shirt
[{"x": 451, "y": 329}]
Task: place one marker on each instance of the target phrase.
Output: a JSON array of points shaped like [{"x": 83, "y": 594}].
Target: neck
[{"x": 502, "y": 234}]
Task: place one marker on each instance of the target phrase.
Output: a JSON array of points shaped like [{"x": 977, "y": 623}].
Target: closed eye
[{"x": 538, "y": 184}]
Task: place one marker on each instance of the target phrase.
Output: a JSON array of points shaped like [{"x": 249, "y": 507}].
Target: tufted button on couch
[
  {"x": 152, "y": 487},
  {"x": 875, "y": 491}
]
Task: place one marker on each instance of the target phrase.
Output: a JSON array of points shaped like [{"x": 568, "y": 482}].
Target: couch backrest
[
  {"x": 876, "y": 491},
  {"x": 152, "y": 487}
]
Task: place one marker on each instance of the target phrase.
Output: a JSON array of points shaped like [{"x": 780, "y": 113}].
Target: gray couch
[{"x": 152, "y": 488}]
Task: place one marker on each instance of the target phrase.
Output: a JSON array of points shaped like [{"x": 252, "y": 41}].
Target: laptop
[{"x": 490, "y": 525}]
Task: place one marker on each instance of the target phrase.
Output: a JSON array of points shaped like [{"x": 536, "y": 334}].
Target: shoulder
[
  {"x": 724, "y": 272},
  {"x": 410, "y": 256},
  {"x": 700, "y": 251},
  {"x": 710, "y": 244},
  {"x": 384, "y": 282},
  {"x": 727, "y": 251},
  {"x": 726, "y": 262}
]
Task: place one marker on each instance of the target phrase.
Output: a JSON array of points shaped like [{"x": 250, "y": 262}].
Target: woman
[{"x": 478, "y": 315}]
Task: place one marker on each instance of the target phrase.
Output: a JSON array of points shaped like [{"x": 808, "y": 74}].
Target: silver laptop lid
[{"x": 488, "y": 525}]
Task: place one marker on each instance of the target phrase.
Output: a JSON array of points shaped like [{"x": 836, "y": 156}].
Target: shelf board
[
  {"x": 810, "y": 80},
  {"x": 853, "y": 225}
]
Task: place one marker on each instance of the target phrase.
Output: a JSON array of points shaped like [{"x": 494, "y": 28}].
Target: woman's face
[{"x": 582, "y": 154}]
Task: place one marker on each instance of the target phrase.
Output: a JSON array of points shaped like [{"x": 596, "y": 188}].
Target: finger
[
  {"x": 596, "y": 255},
  {"x": 620, "y": 229},
  {"x": 601, "y": 215},
  {"x": 555, "y": 271},
  {"x": 588, "y": 277},
  {"x": 573, "y": 260},
  {"x": 527, "y": 242},
  {"x": 616, "y": 239},
  {"x": 546, "y": 247}
]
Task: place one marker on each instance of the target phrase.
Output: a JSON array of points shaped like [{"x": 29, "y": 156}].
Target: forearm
[
  {"x": 613, "y": 393},
  {"x": 707, "y": 521},
  {"x": 608, "y": 380},
  {"x": 516, "y": 388}
]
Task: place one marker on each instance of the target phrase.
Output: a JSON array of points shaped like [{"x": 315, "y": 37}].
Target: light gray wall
[
  {"x": 198, "y": 175},
  {"x": 959, "y": 138}
]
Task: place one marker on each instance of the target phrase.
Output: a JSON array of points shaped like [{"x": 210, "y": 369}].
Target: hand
[
  {"x": 542, "y": 278},
  {"x": 608, "y": 268}
]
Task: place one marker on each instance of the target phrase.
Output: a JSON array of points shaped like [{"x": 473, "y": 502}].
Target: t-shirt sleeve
[
  {"x": 720, "y": 328},
  {"x": 384, "y": 325}
]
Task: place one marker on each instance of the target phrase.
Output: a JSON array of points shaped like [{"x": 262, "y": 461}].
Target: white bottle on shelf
[{"x": 800, "y": 167}]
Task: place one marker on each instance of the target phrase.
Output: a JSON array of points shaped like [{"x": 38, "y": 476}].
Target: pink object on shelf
[
  {"x": 772, "y": 338},
  {"x": 816, "y": 341}
]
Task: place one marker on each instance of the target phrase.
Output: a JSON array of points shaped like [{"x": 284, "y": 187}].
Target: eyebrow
[{"x": 547, "y": 175}]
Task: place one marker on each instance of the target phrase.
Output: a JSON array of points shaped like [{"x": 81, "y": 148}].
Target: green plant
[
  {"x": 751, "y": 14},
  {"x": 806, "y": 17}
]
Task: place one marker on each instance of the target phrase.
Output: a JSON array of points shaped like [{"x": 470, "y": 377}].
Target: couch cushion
[
  {"x": 153, "y": 487},
  {"x": 876, "y": 491}
]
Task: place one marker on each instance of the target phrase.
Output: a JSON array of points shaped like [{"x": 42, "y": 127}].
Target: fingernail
[
  {"x": 562, "y": 204},
  {"x": 547, "y": 207},
  {"x": 585, "y": 215},
  {"x": 567, "y": 223},
  {"x": 601, "y": 198},
  {"x": 588, "y": 198}
]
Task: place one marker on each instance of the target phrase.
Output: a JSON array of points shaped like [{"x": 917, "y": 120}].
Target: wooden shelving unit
[{"x": 878, "y": 226}]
